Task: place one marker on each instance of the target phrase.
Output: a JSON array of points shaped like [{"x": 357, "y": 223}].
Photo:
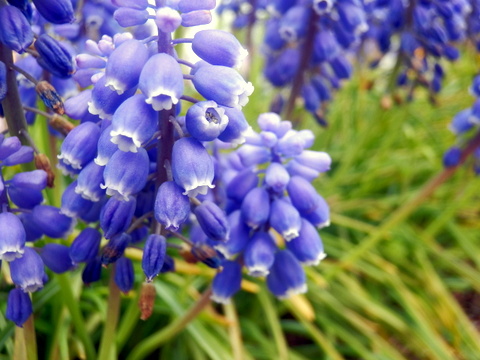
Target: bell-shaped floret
[
  {"x": 307, "y": 246},
  {"x": 116, "y": 216},
  {"x": 161, "y": 81},
  {"x": 73, "y": 204},
  {"x": 172, "y": 207},
  {"x": 226, "y": 282},
  {"x": 277, "y": 177},
  {"x": 12, "y": 237},
  {"x": 85, "y": 246},
  {"x": 294, "y": 23},
  {"x": 192, "y": 167},
  {"x": 105, "y": 101},
  {"x": 105, "y": 148},
  {"x": 303, "y": 195},
  {"x": 205, "y": 120},
  {"x": 154, "y": 254},
  {"x": 28, "y": 271},
  {"x": 241, "y": 185},
  {"x": 54, "y": 57},
  {"x": 124, "y": 275},
  {"x": 56, "y": 257},
  {"x": 223, "y": 85},
  {"x": 259, "y": 254},
  {"x": 3, "y": 81},
  {"x": 237, "y": 127},
  {"x": 56, "y": 11},
  {"x": 115, "y": 248},
  {"x": 92, "y": 271},
  {"x": 80, "y": 145},
  {"x": 124, "y": 65},
  {"x": 218, "y": 47},
  {"x": 286, "y": 277},
  {"x": 19, "y": 307},
  {"x": 320, "y": 217},
  {"x": 52, "y": 222},
  {"x": 133, "y": 124},
  {"x": 167, "y": 19},
  {"x": 126, "y": 173},
  {"x": 238, "y": 239},
  {"x": 256, "y": 207},
  {"x": 213, "y": 221},
  {"x": 88, "y": 182},
  {"x": 285, "y": 219},
  {"x": 15, "y": 30},
  {"x": 25, "y": 189}
]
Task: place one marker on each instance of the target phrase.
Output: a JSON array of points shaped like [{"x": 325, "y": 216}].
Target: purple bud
[
  {"x": 260, "y": 254},
  {"x": 253, "y": 155},
  {"x": 192, "y": 166},
  {"x": 104, "y": 101},
  {"x": 286, "y": 277},
  {"x": 154, "y": 254},
  {"x": 193, "y": 5},
  {"x": 80, "y": 145},
  {"x": 296, "y": 169},
  {"x": 27, "y": 272},
  {"x": 56, "y": 11},
  {"x": 317, "y": 160},
  {"x": 133, "y": 124},
  {"x": 452, "y": 157},
  {"x": 227, "y": 282},
  {"x": 212, "y": 220},
  {"x": 73, "y": 204},
  {"x": 116, "y": 216},
  {"x": 92, "y": 271},
  {"x": 320, "y": 217},
  {"x": 196, "y": 18},
  {"x": 237, "y": 127},
  {"x": 88, "y": 182},
  {"x": 124, "y": 66},
  {"x": 23, "y": 155},
  {"x": 54, "y": 57},
  {"x": 161, "y": 81},
  {"x": 130, "y": 17},
  {"x": 9, "y": 146},
  {"x": 115, "y": 248},
  {"x": 307, "y": 247},
  {"x": 3, "y": 81},
  {"x": 85, "y": 246},
  {"x": 19, "y": 307},
  {"x": 223, "y": 85},
  {"x": 167, "y": 19},
  {"x": 285, "y": 219},
  {"x": 122, "y": 181},
  {"x": 239, "y": 235},
  {"x": 105, "y": 148},
  {"x": 25, "y": 189},
  {"x": 12, "y": 237},
  {"x": 205, "y": 120},
  {"x": 124, "y": 275},
  {"x": 218, "y": 47},
  {"x": 51, "y": 222},
  {"x": 56, "y": 257},
  {"x": 31, "y": 230},
  {"x": 241, "y": 184},
  {"x": 277, "y": 177},
  {"x": 293, "y": 24},
  {"x": 133, "y": 4},
  {"x": 256, "y": 207},
  {"x": 172, "y": 207},
  {"x": 303, "y": 195},
  {"x": 15, "y": 31}
]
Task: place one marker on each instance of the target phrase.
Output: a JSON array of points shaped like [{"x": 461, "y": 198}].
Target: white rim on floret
[
  {"x": 243, "y": 96},
  {"x": 115, "y": 85},
  {"x": 32, "y": 287},
  {"x": 258, "y": 271},
  {"x": 115, "y": 190},
  {"x": 92, "y": 109},
  {"x": 315, "y": 261},
  {"x": 241, "y": 57},
  {"x": 125, "y": 140},
  {"x": 220, "y": 299},
  {"x": 224, "y": 251},
  {"x": 12, "y": 252},
  {"x": 301, "y": 289},
  {"x": 197, "y": 189},
  {"x": 164, "y": 100},
  {"x": 85, "y": 193},
  {"x": 290, "y": 234},
  {"x": 324, "y": 224},
  {"x": 68, "y": 159},
  {"x": 101, "y": 160}
]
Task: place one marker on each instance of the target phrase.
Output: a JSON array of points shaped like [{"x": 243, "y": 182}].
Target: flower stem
[
  {"x": 152, "y": 342},
  {"x": 107, "y": 344},
  {"x": 234, "y": 330},
  {"x": 306, "y": 52},
  {"x": 30, "y": 338},
  {"x": 402, "y": 213},
  {"x": 12, "y": 106}
]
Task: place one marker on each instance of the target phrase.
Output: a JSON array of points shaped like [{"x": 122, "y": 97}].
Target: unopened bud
[
  {"x": 61, "y": 124},
  {"x": 42, "y": 162},
  {"x": 50, "y": 97},
  {"x": 207, "y": 255},
  {"x": 146, "y": 301}
]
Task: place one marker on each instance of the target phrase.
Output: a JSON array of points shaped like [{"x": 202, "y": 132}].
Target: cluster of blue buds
[
  {"x": 465, "y": 125},
  {"x": 244, "y": 11},
  {"x": 306, "y": 45},
  {"x": 428, "y": 32},
  {"x": 273, "y": 210},
  {"x": 25, "y": 223}
]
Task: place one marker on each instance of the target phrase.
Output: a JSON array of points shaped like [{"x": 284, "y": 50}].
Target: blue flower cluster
[
  {"x": 307, "y": 46},
  {"x": 427, "y": 32},
  {"x": 465, "y": 125},
  {"x": 273, "y": 210}
]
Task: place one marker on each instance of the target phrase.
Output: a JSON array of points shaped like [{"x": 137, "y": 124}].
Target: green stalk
[
  {"x": 272, "y": 318},
  {"x": 234, "y": 331},
  {"x": 107, "y": 344},
  {"x": 148, "y": 345},
  {"x": 77, "y": 318},
  {"x": 129, "y": 320},
  {"x": 30, "y": 339}
]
